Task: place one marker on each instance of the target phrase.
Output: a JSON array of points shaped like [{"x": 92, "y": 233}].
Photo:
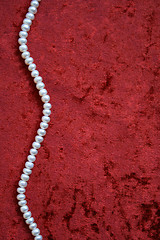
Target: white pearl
[
  {"x": 38, "y": 139},
  {"x": 22, "y": 183},
  {"x": 25, "y": 177},
  {"x": 29, "y": 165},
  {"x": 22, "y": 40},
  {"x": 30, "y": 16},
  {"x": 22, "y": 203},
  {"x": 25, "y": 27},
  {"x": 47, "y": 106},
  {"x": 46, "y": 119},
  {"x": 45, "y": 98},
  {"x": 24, "y": 209},
  {"x": 30, "y": 220},
  {"x": 40, "y": 85},
  {"x": 34, "y": 73},
  {"x": 33, "y": 151},
  {"x": 43, "y": 92},
  {"x": 29, "y": 60},
  {"x": 31, "y": 158},
  {"x": 35, "y": 232},
  {"x": 32, "y": 226},
  {"x": 23, "y": 34},
  {"x": 39, "y": 237},
  {"x": 32, "y": 67},
  {"x": 27, "y": 215},
  {"x": 21, "y": 196},
  {"x": 41, "y": 132},
  {"x": 35, "y": 4},
  {"x": 23, "y": 48},
  {"x": 25, "y": 54},
  {"x": 32, "y": 10},
  {"x": 44, "y": 125},
  {"x": 27, "y": 21},
  {"x": 38, "y": 79},
  {"x": 21, "y": 190},
  {"x": 47, "y": 112},
  {"x": 27, "y": 171},
  {"x": 36, "y": 145}
]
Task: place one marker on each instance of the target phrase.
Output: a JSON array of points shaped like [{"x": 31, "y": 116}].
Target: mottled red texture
[{"x": 97, "y": 174}]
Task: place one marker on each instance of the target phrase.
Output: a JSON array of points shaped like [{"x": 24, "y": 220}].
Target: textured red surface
[{"x": 97, "y": 174}]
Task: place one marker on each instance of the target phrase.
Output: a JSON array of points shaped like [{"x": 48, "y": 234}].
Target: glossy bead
[
  {"x": 25, "y": 54},
  {"x": 46, "y": 119},
  {"x": 21, "y": 196},
  {"x": 36, "y": 145},
  {"x": 23, "y": 48},
  {"x": 38, "y": 139},
  {"x": 30, "y": 220},
  {"x": 22, "y": 183},
  {"x": 24, "y": 208},
  {"x": 45, "y": 98},
  {"x": 35, "y": 4},
  {"x": 25, "y": 27},
  {"x": 38, "y": 79},
  {"x": 30, "y": 16},
  {"x": 42, "y": 92},
  {"x": 31, "y": 158},
  {"x": 44, "y": 125},
  {"x": 28, "y": 60},
  {"x": 35, "y": 232},
  {"x": 47, "y": 106},
  {"x": 40, "y": 85},
  {"x": 21, "y": 190},
  {"x": 25, "y": 177},
  {"x": 47, "y": 112},
  {"x": 27, "y": 21},
  {"x": 22, "y": 203},
  {"x": 29, "y": 165},
  {"x": 34, "y": 73},
  {"x": 39, "y": 237},
  {"x": 32, "y": 10},
  {"x": 27, "y": 171},
  {"x": 32, "y": 226},
  {"x": 32, "y": 67},
  {"x": 23, "y": 34},
  {"x": 41, "y": 132},
  {"x": 33, "y": 151},
  {"x": 22, "y": 40},
  {"x": 27, "y": 215}
]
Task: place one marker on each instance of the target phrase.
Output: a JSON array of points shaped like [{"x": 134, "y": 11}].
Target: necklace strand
[{"x": 41, "y": 132}]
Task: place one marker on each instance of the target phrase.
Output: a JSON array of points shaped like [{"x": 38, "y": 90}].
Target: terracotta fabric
[{"x": 97, "y": 173}]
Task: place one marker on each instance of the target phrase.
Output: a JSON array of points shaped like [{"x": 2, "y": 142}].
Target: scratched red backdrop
[{"x": 97, "y": 174}]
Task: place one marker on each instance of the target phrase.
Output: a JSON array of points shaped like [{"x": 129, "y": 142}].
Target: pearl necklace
[{"x": 25, "y": 27}]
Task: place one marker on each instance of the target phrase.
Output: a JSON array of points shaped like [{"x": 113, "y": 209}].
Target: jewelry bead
[
  {"x": 25, "y": 177},
  {"x": 34, "y": 73},
  {"x": 47, "y": 112},
  {"x": 21, "y": 190},
  {"x": 22, "y": 203},
  {"x": 32, "y": 10},
  {"x": 35, "y": 4},
  {"x": 24, "y": 208},
  {"x": 44, "y": 125},
  {"x": 21, "y": 196},
  {"x": 29, "y": 60},
  {"x": 25, "y": 54},
  {"x": 39, "y": 237},
  {"x": 30, "y": 16},
  {"x": 45, "y": 98},
  {"x": 22, "y": 183},
  {"x": 27, "y": 21},
  {"x": 47, "y": 106},
  {"x": 40, "y": 85},
  {"x": 41, "y": 132},
  {"x": 36, "y": 145},
  {"x": 46, "y": 119},
  {"x": 31, "y": 158},
  {"x": 32, "y": 67},
  {"x": 23, "y": 34},
  {"x": 38, "y": 139},
  {"x": 22, "y": 40},
  {"x": 30, "y": 220},
  {"x": 29, "y": 165},
  {"x": 27, "y": 171},
  {"x": 32, "y": 226},
  {"x": 27, "y": 215},
  {"x": 43, "y": 92},
  {"x": 35, "y": 232},
  {"x": 33, "y": 151},
  {"x": 25, "y": 27},
  {"x": 23, "y": 48},
  {"x": 38, "y": 79}
]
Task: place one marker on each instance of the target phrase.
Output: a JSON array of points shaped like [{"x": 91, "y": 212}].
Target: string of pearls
[{"x": 41, "y": 132}]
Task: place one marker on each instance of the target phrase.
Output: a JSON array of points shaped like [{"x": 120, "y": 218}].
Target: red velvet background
[{"x": 97, "y": 174}]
